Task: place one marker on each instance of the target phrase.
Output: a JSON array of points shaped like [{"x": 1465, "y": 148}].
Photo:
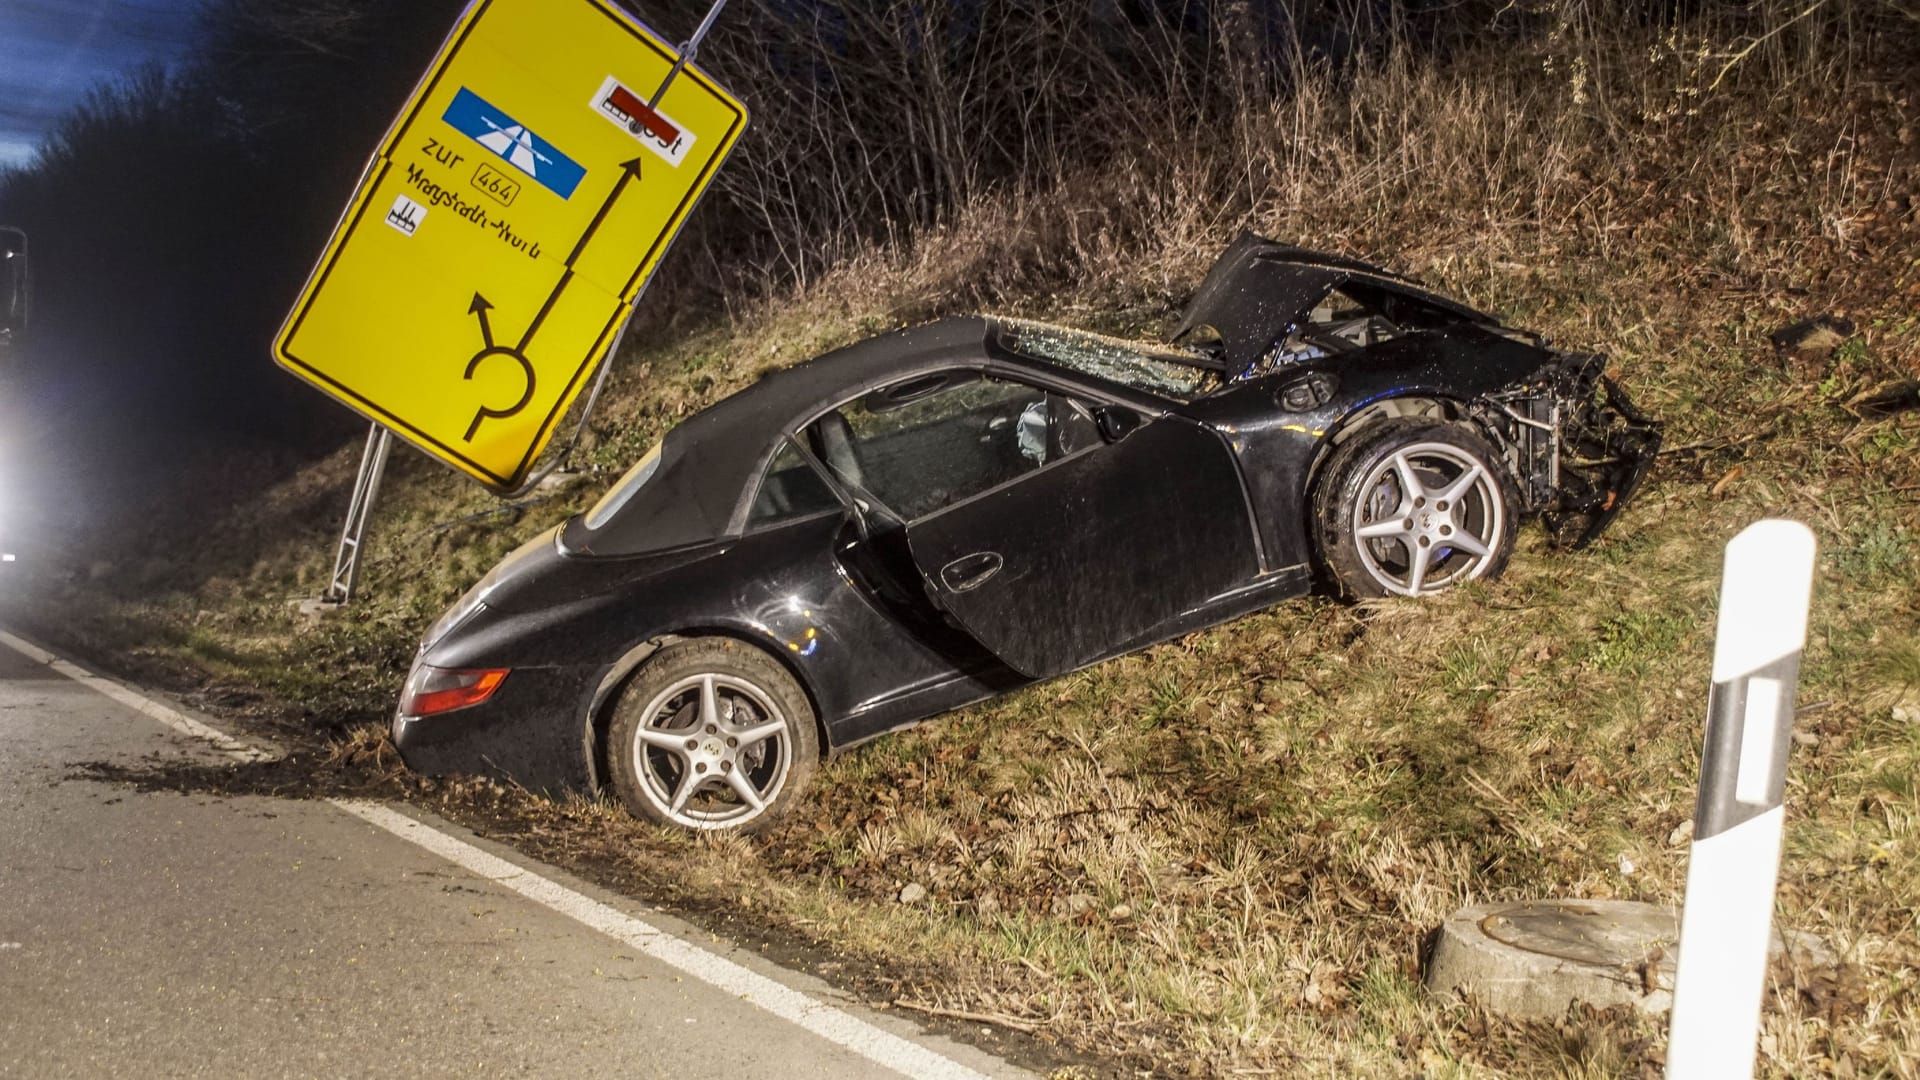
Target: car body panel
[
  {"x": 1278, "y": 448},
  {"x": 1257, "y": 290},
  {"x": 1191, "y": 509},
  {"x": 1050, "y": 571},
  {"x": 863, "y": 668},
  {"x": 498, "y": 738}
]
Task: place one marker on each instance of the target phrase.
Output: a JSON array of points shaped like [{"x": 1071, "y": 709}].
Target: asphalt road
[{"x": 161, "y": 935}]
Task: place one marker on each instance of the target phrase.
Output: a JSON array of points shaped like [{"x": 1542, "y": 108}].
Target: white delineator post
[{"x": 1734, "y": 865}]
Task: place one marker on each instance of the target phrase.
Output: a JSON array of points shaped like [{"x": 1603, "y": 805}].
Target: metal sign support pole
[
  {"x": 346, "y": 561},
  {"x": 687, "y": 52}
]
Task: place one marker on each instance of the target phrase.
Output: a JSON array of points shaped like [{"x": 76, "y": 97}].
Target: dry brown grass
[{"x": 1220, "y": 856}]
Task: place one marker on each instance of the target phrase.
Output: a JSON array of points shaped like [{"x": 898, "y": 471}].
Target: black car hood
[{"x": 1259, "y": 289}]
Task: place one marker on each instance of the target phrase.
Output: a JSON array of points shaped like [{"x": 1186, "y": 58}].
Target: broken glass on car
[{"x": 1158, "y": 369}]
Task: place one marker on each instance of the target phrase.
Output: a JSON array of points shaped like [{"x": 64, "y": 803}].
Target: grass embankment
[{"x": 1221, "y": 856}]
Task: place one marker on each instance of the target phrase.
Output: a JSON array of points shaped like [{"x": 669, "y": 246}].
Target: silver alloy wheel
[
  {"x": 1432, "y": 517},
  {"x": 712, "y": 751}
]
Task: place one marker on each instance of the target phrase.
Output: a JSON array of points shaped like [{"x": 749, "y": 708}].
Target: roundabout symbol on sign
[{"x": 480, "y": 307}]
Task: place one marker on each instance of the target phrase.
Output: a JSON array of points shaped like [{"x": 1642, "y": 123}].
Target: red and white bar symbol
[{"x": 655, "y": 130}]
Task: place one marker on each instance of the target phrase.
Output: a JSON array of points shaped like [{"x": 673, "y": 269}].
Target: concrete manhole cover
[
  {"x": 1584, "y": 931},
  {"x": 1536, "y": 958}
]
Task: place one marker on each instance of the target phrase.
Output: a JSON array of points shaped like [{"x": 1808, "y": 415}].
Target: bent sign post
[
  {"x": 501, "y": 235},
  {"x": 1734, "y": 866}
]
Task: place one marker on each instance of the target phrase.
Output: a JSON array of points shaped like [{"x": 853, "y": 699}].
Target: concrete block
[{"x": 1536, "y": 957}]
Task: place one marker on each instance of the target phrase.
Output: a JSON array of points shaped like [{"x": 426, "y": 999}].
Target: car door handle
[{"x": 970, "y": 571}]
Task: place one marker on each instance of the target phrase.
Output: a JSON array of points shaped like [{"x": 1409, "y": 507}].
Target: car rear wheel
[
  {"x": 1412, "y": 507},
  {"x": 712, "y": 734}
]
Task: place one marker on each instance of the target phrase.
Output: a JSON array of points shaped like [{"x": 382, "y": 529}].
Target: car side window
[
  {"x": 933, "y": 440},
  {"x": 790, "y": 489}
]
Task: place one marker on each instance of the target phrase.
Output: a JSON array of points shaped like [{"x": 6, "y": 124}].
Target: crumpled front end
[{"x": 1576, "y": 445}]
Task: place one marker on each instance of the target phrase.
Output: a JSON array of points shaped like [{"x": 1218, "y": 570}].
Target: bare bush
[{"x": 874, "y": 123}]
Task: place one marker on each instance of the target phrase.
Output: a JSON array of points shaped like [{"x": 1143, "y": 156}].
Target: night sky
[{"x": 51, "y": 51}]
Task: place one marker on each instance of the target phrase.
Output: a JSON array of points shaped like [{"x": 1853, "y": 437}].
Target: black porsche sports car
[{"x": 942, "y": 514}]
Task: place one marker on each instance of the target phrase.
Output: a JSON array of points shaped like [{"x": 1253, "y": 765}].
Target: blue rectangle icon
[{"x": 471, "y": 115}]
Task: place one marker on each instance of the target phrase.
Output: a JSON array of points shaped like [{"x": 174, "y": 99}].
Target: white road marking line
[
  {"x": 837, "y": 1027},
  {"x": 840, "y": 1028},
  {"x": 173, "y": 718}
]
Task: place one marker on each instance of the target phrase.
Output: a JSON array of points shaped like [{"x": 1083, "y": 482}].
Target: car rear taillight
[{"x": 432, "y": 690}]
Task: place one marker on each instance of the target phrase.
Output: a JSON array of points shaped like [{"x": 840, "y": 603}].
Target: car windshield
[
  {"x": 1157, "y": 369},
  {"x": 617, "y": 497}
]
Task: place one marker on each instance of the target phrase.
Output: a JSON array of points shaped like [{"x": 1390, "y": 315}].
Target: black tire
[
  {"x": 659, "y": 741},
  {"x": 1418, "y": 542}
]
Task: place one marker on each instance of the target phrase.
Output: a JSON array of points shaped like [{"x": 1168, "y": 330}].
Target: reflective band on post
[
  {"x": 1743, "y": 764},
  {"x": 1734, "y": 865}
]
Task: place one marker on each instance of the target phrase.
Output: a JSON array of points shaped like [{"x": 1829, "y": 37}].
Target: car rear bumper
[{"x": 536, "y": 722}]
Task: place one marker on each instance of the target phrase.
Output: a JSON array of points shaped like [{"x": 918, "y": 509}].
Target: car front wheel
[
  {"x": 1412, "y": 507},
  {"x": 711, "y": 733}
]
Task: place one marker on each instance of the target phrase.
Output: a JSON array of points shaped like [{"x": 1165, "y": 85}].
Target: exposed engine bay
[{"x": 1576, "y": 445}]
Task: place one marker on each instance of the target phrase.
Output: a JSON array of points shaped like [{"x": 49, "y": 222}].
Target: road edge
[
  {"x": 143, "y": 703},
  {"x": 774, "y": 997}
]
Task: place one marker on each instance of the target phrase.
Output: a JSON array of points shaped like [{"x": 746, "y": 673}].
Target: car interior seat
[{"x": 831, "y": 439}]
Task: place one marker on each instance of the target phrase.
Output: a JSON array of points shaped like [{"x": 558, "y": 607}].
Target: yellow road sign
[{"x": 500, "y": 236}]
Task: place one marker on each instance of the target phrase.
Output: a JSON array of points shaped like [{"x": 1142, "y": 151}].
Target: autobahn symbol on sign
[
  {"x": 522, "y": 149},
  {"x": 503, "y": 231}
]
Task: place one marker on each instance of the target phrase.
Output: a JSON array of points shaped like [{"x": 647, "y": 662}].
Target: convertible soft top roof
[
  {"x": 1259, "y": 288},
  {"x": 708, "y": 459}
]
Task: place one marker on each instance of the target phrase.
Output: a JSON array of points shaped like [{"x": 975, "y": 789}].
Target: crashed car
[{"x": 939, "y": 515}]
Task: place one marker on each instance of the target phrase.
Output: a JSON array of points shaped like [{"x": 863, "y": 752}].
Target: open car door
[{"x": 1091, "y": 551}]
